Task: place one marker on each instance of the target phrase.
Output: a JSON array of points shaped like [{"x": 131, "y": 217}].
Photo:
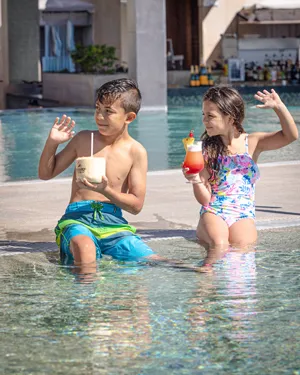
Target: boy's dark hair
[
  {"x": 229, "y": 102},
  {"x": 124, "y": 89}
]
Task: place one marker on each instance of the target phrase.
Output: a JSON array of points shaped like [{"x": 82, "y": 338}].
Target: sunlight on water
[
  {"x": 242, "y": 318},
  {"x": 23, "y": 134}
]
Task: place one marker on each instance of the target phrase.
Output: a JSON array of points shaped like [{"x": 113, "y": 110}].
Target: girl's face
[{"x": 215, "y": 122}]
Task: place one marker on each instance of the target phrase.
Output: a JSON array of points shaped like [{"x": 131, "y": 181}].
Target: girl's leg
[
  {"x": 212, "y": 230},
  {"x": 242, "y": 233},
  {"x": 213, "y": 233}
]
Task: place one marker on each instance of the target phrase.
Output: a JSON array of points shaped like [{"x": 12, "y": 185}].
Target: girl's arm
[
  {"x": 201, "y": 185},
  {"x": 288, "y": 132}
]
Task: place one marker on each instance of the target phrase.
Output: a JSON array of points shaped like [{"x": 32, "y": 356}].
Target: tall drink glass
[{"x": 194, "y": 158}]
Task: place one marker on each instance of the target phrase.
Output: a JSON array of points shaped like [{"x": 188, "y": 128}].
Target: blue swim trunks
[{"x": 105, "y": 225}]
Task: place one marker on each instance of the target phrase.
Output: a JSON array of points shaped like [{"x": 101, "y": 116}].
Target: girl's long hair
[{"x": 229, "y": 102}]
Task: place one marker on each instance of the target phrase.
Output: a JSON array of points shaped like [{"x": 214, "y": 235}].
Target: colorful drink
[{"x": 194, "y": 158}]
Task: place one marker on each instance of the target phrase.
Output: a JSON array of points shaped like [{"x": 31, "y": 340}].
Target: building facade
[{"x": 196, "y": 30}]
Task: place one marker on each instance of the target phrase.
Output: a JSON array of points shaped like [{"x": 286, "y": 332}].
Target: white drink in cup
[{"x": 91, "y": 168}]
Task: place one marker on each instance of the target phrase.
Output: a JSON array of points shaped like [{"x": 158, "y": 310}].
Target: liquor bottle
[
  {"x": 197, "y": 76},
  {"x": 266, "y": 73},
  {"x": 290, "y": 61},
  {"x": 283, "y": 77},
  {"x": 288, "y": 72},
  {"x": 192, "y": 78},
  {"x": 225, "y": 68},
  {"x": 294, "y": 74},
  {"x": 255, "y": 73},
  {"x": 209, "y": 77},
  {"x": 260, "y": 74},
  {"x": 297, "y": 69},
  {"x": 203, "y": 75},
  {"x": 273, "y": 74},
  {"x": 250, "y": 72},
  {"x": 267, "y": 61},
  {"x": 282, "y": 61},
  {"x": 278, "y": 71}
]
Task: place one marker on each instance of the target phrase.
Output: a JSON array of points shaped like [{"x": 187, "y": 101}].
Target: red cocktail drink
[{"x": 194, "y": 159}]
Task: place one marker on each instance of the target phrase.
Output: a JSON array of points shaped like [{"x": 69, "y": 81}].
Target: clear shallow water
[
  {"x": 241, "y": 319},
  {"x": 23, "y": 134}
]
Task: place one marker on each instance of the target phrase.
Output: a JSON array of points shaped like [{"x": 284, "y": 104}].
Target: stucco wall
[
  {"x": 79, "y": 89},
  {"x": 107, "y": 24},
  {"x": 215, "y": 22},
  {"x": 4, "y": 73},
  {"x": 74, "y": 89},
  {"x": 23, "y": 36}
]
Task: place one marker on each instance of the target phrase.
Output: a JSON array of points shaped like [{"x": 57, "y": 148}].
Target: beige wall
[
  {"x": 74, "y": 89},
  {"x": 107, "y": 23},
  {"x": 124, "y": 33},
  {"x": 24, "y": 40},
  {"x": 215, "y": 21},
  {"x": 80, "y": 89},
  {"x": 4, "y": 72}
]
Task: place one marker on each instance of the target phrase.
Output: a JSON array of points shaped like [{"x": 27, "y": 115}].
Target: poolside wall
[
  {"x": 80, "y": 89},
  {"x": 74, "y": 89}
]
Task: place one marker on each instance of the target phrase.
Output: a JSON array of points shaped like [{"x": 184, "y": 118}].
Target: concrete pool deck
[{"x": 29, "y": 210}]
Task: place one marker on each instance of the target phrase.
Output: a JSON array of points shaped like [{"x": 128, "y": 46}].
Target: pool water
[
  {"x": 23, "y": 134},
  {"x": 243, "y": 318}
]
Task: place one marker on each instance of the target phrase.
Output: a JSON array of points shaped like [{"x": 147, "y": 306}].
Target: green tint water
[
  {"x": 243, "y": 318},
  {"x": 23, "y": 134}
]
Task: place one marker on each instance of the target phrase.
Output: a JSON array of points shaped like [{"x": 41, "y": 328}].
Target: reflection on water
[
  {"x": 242, "y": 318},
  {"x": 24, "y": 133}
]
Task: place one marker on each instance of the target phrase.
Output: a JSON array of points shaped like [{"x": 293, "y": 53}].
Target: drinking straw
[{"x": 92, "y": 144}]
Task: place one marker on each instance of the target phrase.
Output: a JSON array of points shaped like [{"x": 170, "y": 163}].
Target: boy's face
[{"x": 111, "y": 119}]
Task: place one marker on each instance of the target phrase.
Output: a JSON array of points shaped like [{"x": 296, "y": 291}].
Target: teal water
[
  {"x": 23, "y": 134},
  {"x": 243, "y": 318}
]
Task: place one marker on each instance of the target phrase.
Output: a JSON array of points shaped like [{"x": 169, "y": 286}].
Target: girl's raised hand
[
  {"x": 62, "y": 130},
  {"x": 269, "y": 99}
]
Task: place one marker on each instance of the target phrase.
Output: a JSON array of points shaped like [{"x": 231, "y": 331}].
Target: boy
[{"x": 93, "y": 222}]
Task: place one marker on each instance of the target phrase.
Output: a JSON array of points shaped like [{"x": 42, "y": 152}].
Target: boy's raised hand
[
  {"x": 62, "y": 130},
  {"x": 269, "y": 99}
]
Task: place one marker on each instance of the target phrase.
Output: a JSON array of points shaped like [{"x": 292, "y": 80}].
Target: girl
[{"x": 225, "y": 188}]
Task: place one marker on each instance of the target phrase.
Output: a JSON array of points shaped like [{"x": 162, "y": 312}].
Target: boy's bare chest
[{"x": 118, "y": 162}]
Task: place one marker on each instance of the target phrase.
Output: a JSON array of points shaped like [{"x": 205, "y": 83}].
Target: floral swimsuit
[{"x": 233, "y": 188}]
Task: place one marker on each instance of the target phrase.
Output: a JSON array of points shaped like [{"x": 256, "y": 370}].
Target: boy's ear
[{"x": 130, "y": 117}]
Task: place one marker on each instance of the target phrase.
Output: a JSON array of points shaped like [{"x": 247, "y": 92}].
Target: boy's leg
[
  {"x": 79, "y": 247},
  {"x": 128, "y": 248},
  {"x": 133, "y": 248},
  {"x": 83, "y": 249}
]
